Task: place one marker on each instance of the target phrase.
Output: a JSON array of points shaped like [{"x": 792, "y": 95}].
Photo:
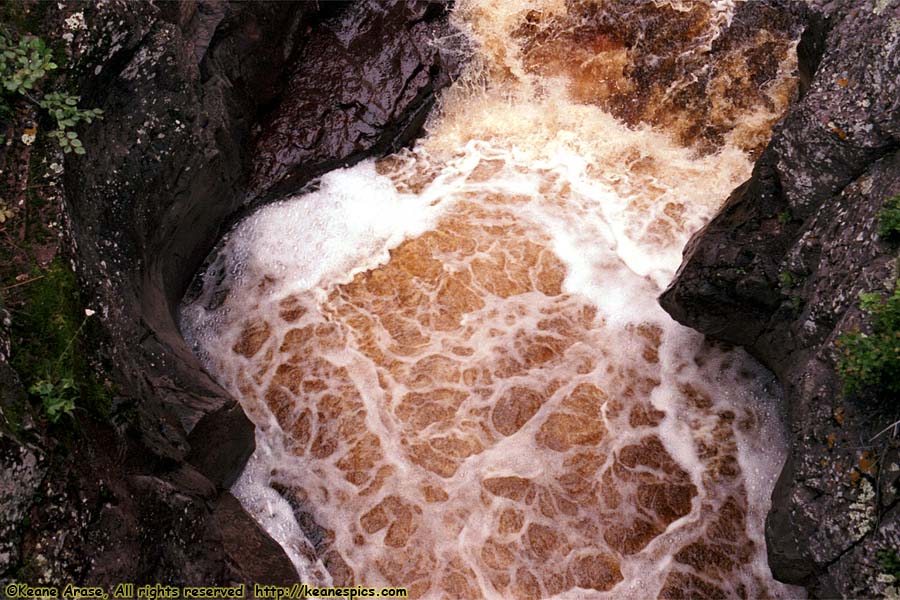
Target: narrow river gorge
[{"x": 461, "y": 378}]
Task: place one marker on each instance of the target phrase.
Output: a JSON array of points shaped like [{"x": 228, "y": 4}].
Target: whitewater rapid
[{"x": 460, "y": 376}]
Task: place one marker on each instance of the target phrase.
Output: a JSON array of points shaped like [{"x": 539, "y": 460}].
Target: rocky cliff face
[
  {"x": 197, "y": 98},
  {"x": 779, "y": 271}
]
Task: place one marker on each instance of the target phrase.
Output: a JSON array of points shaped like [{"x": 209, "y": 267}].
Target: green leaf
[
  {"x": 76, "y": 143},
  {"x": 869, "y": 301},
  {"x": 79, "y": 150},
  {"x": 71, "y": 101},
  {"x": 71, "y": 135}
]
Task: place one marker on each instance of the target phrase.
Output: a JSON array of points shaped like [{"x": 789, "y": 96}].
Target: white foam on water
[
  {"x": 555, "y": 227},
  {"x": 295, "y": 240}
]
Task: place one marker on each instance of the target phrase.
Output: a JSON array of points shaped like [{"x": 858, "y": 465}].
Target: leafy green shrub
[
  {"x": 889, "y": 218},
  {"x": 24, "y": 69},
  {"x": 873, "y": 361},
  {"x": 24, "y": 64}
]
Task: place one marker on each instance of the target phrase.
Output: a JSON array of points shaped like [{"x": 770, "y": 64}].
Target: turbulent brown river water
[{"x": 460, "y": 376}]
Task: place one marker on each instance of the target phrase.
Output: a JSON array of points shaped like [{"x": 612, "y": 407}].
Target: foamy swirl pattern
[{"x": 461, "y": 380}]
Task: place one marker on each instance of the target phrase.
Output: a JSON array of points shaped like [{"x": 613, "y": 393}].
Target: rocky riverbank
[
  {"x": 779, "y": 272},
  {"x": 196, "y": 97}
]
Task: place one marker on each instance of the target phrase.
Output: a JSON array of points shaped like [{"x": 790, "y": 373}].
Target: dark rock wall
[
  {"x": 357, "y": 101},
  {"x": 21, "y": 469},
  {"x": 198, "y": 95},
  {"x": 779, "y": 271}
]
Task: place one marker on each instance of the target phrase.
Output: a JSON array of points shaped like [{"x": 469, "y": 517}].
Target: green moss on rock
[
  {"x": 48, "y": 333},
  {"x": 872, "y": 361}
]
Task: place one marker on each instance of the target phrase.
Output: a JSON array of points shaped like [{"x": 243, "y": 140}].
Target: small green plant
[
  {"x": 784, "y": 217},
  {"x": 46, "y": 331},
  {"x": 786, "y": 280},
  {"x": 889, "y": 218},
  {"x": 873, "y": 361},
  {"x": 58, "y": 391},
  {"x": 24, "y": 64},
  {"x": 6, "y": 213},
  {"x": 57, "y": 397},
  {"x": 25, "y": 67},
  {"x": 890, "y": 562}
]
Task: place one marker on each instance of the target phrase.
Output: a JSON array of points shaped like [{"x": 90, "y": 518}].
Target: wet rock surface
[
  {"x": 779, "y": 271},
  {"x": 21, "y": 468},
  {"x": 142, "y": 498},
  {"x": 377, "y": 68}
]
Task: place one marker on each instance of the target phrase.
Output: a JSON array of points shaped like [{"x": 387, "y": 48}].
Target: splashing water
[{"x": 461, "y": 380}]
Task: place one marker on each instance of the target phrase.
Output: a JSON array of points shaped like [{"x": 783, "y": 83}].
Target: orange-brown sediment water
[{"x": 460, "y": 376}]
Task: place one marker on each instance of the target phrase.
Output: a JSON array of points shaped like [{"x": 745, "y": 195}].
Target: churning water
[{"x": 461, "y": 379}]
